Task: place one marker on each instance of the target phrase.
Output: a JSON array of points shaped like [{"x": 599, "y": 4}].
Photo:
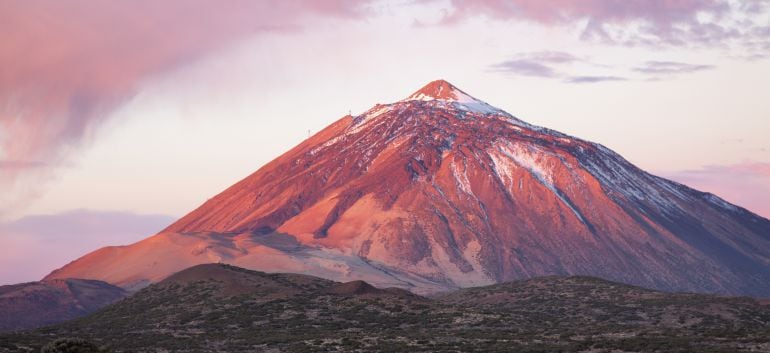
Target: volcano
[{"x": 440, "y": 191}]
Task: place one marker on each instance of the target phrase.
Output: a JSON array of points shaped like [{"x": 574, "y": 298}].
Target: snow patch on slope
[
  {"x": 327, "y": 144},
  {"x": 716, "y": 200},
  {"x": 363, "y": 120},
  {"x": 530, "y": 158},
  {"x": 461, "y": 178},
  {"x": 620, "y": 177},
  {"x": 477, "y": 106},
  {"x": 534, "y": 161}
]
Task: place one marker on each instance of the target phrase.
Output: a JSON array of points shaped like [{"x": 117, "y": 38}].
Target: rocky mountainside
[
  {"x": 441, "y": 191},
  {"x": 223, "y": 308},
  {"x": 36, "y": 304}
]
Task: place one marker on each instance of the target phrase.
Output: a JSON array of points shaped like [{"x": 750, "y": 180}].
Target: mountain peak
[
  {"x": 443, "y": 92},
  {"x": 440, "y": 90}
]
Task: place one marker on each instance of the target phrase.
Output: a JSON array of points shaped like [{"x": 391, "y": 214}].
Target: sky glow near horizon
[{"x": 159, "y": 133}]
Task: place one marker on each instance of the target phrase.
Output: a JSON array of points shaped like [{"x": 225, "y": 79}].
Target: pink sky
[{"x": 148, "y": 107}]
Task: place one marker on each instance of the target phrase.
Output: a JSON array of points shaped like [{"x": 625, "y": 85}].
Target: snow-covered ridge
[{"x": 441, "y": 94}]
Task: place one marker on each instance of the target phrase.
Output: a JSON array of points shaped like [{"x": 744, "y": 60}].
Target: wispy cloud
[
  {"x": 525, "y": 67},
  {"x": 20, "y": 165},
  {"x": 670, "y": 68},
  {"x": 563, "y": 66},
  {"x": 557, "y": 57},
  {"x": 537, "y": 64},
  {"x": 33, "y": 246},
  {"x": 593, "y": 79},
  {"x": 65, "y": 65},
  {"x": 550, "y": 65}
]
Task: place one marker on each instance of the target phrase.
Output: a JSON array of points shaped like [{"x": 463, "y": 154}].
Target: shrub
[{"x": 72, "y": 345}]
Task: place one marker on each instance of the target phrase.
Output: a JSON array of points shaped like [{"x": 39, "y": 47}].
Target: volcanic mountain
[{"x": 441, "y": 190}]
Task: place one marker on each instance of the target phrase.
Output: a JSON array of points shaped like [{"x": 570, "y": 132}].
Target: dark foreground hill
[
  {"x": 215, "y": 308},
  {"x": 35, "y": 304}
]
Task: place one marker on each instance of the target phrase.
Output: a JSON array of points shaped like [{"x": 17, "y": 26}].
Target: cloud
[
  {"x": 744, "y": 184},
  {"x": 64, "y": 65},
  {"x": 755, "y": 6},
  {"x": 525, "y": 67},
  {"x": 537, "y": 64},
  {"x": 593, "y": 79},
  {"x": 551, "y": 65},
  {"x": 558, "y": 65},
  {"x": 21, "y": 165},
  {"x": 627, "y": 22},
  {"x": 670, "y": 68},
  {"x": 553, "y": 57},
  {"x": 33, "y": 246}
]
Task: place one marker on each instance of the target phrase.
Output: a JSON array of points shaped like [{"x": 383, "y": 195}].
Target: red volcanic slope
[{"x": 441, "y": 190}]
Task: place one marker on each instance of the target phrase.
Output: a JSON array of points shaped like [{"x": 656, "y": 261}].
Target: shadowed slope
[{"x": 35, "y": 304}]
